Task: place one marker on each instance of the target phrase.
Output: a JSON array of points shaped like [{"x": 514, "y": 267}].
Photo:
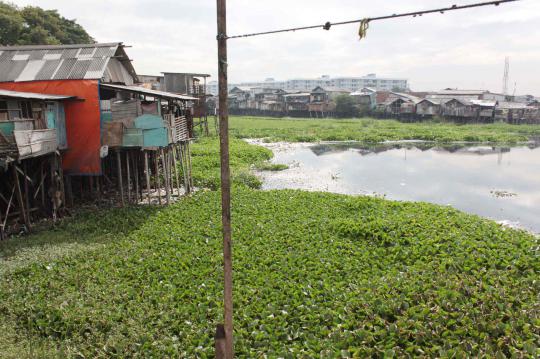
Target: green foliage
[
  {"x": 350, "y": 277},
  {"x": 206, "y": 162},
  {"x": 316, "y": 275},
  {"x": 345, "y": 106},
  {"x": 372, "y": 130},
  {"x": 33, "y": 25},
  {"x": 268, "y": 166}
]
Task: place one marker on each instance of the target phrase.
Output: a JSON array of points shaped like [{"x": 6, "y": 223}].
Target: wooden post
[
  {"x": 165, "y": 177},
  {"x": 136, "y": 169},
  {"x": 20, "y": 200},
  {"x": 42, "y": 185},
  {"x": 147, "y": 174},
  {"x": 26, "y": 190},
  {"x": 120, "y": 184},
  {"x": 156, "y": 174},
  {"x": 225, "y": 176},
  {"x": 175, "y": 164},
  {"x": 128, "y": 177},
  {"x": 183, "y": 164}
]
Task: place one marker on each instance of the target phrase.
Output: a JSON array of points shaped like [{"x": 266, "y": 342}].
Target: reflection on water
[{"x": 470, "y": 178}]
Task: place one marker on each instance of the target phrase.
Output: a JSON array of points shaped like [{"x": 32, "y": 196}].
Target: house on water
[{"x": 112, "y": 136}]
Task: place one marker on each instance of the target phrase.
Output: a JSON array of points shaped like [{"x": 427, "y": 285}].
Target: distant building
[{"x": 351, "y": 84}]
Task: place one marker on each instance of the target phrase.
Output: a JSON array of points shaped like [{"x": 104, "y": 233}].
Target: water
[{"x": 501, "y": 183}]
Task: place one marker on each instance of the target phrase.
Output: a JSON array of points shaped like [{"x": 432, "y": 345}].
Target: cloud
[{"x": 460, "y": 49}]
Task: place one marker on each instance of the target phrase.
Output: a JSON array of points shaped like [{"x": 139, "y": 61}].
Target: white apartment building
[{"x": 348, "y": 83}]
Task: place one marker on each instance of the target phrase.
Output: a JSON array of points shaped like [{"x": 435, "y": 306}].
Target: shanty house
[
  {"x": 458, "y": 109},
  {"x": 72, "y": 70},
  {"x": 89, "y": 91},
  {"x": 365, "y": 99},
  {"x": 32, "y": 132},
  {"x": 428, "y": 107},
  {"x": 297, "y": 103}
]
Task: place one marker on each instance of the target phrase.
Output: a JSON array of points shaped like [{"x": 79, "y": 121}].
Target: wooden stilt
[
  {"x": 20, "y": 200},
  {"x": 165, "y": 177},
  {"x": 156, "y": 174},
  {"x": 184, "y": 166},
  {"x": 42, "y": 184},
  {"x": 61, "y": 181},
  {"x": 175, "y": 164},
  {"x": 136, "y": 169},
  {"x": 26, "y": 190},
  {"x": 120, "y": 184},
  {"x": 128, "y": 176},
  {"x": 190, "y": 177},
  {"x": 147, "y": 174}
]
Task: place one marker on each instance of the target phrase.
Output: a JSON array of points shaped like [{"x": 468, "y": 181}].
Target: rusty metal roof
[
  {"x": 33, "y": 95},
  {"x": 148, "y": 92},
  {"x": 58, "y": 62}
]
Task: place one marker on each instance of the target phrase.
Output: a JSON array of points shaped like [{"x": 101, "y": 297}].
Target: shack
[
  {"x": 32, "y": 140},
  {"x": 428, "y": 108},
  {"x": 106, "y": 120}
]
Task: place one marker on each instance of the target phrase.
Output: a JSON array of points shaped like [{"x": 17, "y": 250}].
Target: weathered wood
[
  {"x": 175, "y": 164},
  {"x": 219, "y": 342},
  {"x": 128, "y": 177},
  {"x": 136, "y": 169},
  {"x": 26, "y": 190},
  {"x": 119, "y": 169},
  {"x": 147, "y": 174},
  {"x": 225, "y": 177},
  {"x": 165, "y": 177},
  {"x": 158, "y": 182},
  {"x": 19, "y": 196}
]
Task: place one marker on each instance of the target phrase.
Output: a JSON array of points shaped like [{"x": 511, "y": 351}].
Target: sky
[{"x": 463, "y": 49}]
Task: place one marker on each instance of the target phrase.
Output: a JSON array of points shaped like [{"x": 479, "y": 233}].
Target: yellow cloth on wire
[{"x": 364, "y": 26}]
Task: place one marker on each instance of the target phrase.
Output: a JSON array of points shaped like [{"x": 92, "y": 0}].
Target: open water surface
[{"x": 501, "y": 183}]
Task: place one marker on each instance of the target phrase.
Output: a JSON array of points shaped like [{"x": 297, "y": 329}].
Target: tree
[
  {"x": 345, "y": 106},
  {"x": 33, "y": 25}
]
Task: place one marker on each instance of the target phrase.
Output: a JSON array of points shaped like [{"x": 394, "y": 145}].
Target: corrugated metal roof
[
  {"x": 145, "y": 91},
  {"x": 33, "y": 95},
  {"x": 58, "y": 62}
]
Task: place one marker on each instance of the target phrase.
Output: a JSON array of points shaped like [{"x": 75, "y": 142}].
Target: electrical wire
[{"x": 328, "y": 25}]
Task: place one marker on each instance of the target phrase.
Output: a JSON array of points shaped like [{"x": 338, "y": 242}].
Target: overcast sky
[{"x": 462, "y": 49}]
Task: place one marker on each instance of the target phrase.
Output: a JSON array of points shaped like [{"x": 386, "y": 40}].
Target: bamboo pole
[
  {"x": 175, "y": 164},
  {"x": 128, "y": 177},
  {"x": 165, "y": 177},
  {"x": 225, "y": 177},
  {"x": 147, "y": 174},
  {"x": 156, "y": 174},
  {"x": 20, "y": 200},
  {"x": 119, "y": 169},
  {"x": 136, "y": 169}
]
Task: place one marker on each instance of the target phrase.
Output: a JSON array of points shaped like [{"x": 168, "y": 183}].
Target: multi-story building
[{"x": 349, "y": 83}]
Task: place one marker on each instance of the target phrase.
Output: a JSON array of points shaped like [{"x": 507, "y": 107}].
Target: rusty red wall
[{"x": 82, "y": 120}]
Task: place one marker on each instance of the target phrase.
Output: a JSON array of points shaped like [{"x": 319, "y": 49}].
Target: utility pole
[{"x": 225, "y": 351}]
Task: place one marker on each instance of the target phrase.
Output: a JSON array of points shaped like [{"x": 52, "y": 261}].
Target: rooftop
[{"x": 60, "y": 62}]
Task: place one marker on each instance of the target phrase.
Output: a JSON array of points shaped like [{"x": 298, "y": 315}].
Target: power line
[{"x": 328, "y": 25}]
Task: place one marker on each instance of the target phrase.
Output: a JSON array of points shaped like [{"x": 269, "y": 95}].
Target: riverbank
[
  {"x": 333, "y": 275},
  {"x": 374, "y": 130}
]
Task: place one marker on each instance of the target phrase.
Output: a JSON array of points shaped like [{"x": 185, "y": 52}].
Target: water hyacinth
[{"x": 315, "y": 275}]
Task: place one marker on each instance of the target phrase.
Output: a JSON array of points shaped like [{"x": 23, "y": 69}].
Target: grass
[
  {"x": 372, "y": 130},
  {"x": 349, "y": 277}
]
